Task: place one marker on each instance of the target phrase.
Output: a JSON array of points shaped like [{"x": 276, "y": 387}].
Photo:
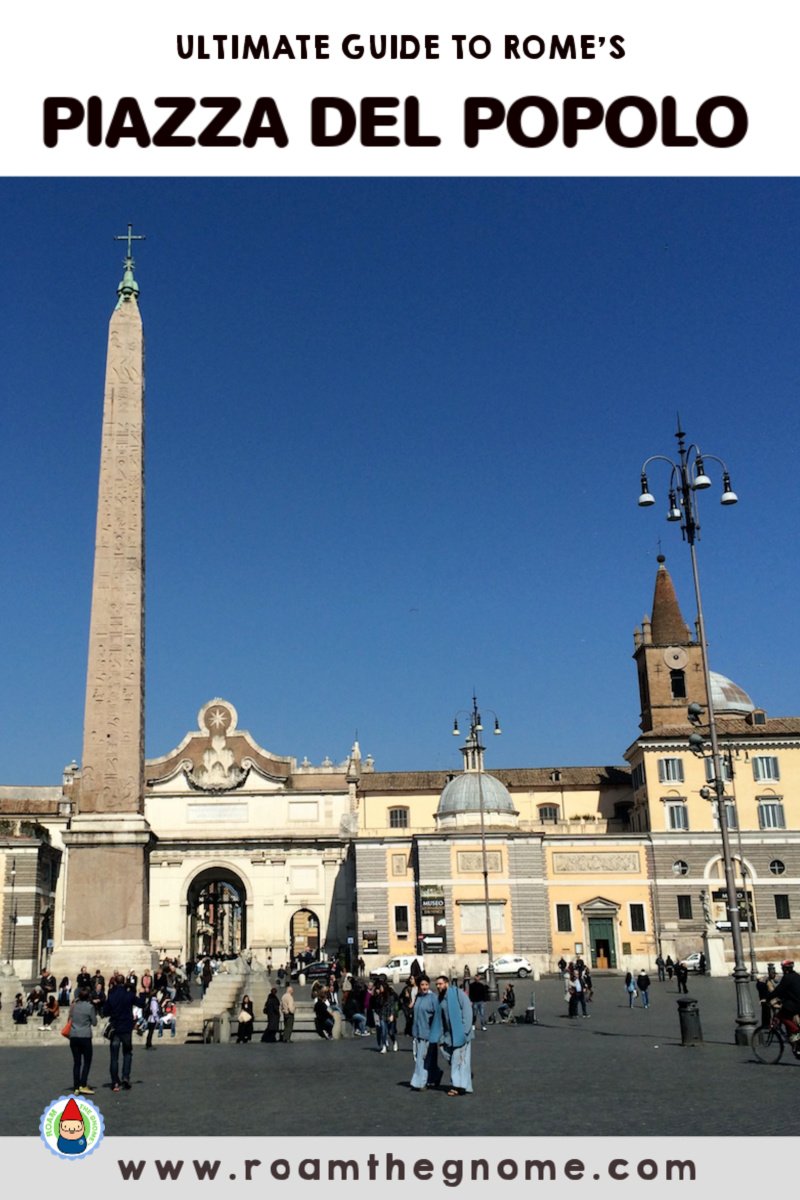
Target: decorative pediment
[
  {"x": 599, "y": 906},
  {"x": 218, "y": 757}
]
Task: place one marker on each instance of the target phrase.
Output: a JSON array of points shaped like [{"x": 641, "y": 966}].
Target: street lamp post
[
  {"x": 688, "y": 476},
  {"x": 749, "y": 900},
  {"x": 474, "y": 759}
]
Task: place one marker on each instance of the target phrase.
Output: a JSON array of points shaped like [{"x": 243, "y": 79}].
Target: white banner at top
[{"x": 357, "y": 88}]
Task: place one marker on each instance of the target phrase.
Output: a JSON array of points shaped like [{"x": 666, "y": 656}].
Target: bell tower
[{"x": 668, "y": 660}]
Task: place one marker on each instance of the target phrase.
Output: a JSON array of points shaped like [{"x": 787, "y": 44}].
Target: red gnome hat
[{"x": 71, "y": 1112}]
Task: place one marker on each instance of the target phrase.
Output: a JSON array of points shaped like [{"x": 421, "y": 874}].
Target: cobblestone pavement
[{"x": 619, "y": 1072}]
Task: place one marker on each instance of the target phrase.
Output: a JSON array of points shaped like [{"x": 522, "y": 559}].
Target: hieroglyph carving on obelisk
[{"x": 113, "y": 740}]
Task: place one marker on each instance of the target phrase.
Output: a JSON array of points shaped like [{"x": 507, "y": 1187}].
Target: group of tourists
[
  {"x": 128, "y": 1004},
  {"x": 279, "y": 1011},
  {"x": 119, "y": 1008},
  {"x": 578, "y": 986},
  {"x": 667, "y": 967}
]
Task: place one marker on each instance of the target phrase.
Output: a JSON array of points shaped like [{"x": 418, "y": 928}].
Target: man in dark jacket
[
  {"x": 478, "y": 994},
  {"x": 119, "y": 1010},
  {"x": 643, "y": 984},
  {"x": 682, "y": 976},
  {"x": 788, "y": 992}
]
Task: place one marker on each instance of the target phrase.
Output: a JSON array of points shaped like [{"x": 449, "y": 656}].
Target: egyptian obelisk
[{"x": 108, "y": 839}]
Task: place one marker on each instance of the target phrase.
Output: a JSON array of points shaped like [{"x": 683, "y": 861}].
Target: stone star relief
[{"x": 218, "y": 718}]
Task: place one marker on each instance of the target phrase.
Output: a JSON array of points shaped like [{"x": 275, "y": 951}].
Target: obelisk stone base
[{"x": 106, "y": 917}]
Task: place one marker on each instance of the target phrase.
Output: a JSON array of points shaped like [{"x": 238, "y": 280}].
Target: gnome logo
[{"x": 71, "y": 1128}]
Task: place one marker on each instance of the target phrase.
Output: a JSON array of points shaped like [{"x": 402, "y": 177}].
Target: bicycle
[{"x": 769, "y": 1042}]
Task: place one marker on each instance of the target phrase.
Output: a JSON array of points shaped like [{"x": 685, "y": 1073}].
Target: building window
[
  {"x": 730, "y": 815},
  {"x": 398, "y": 818},
  {"x": 684, "y": 908},
  {"x": 782, "y": 907},
  {"x": 401, "y": 919},
  {"x": 677, "y": 816},
  {"x": 679, "y": 867},
  {"x": 637, "y": 777},
  {"x": 770, "y": 814},
  {"x": 563, "y": 918},
  {"x": 727, "y": 769},
  {"x": 637, "y": 918},
  {"x": 677, "y": 681},
  {"x": 765, "y": 766},
  {"x": 777, "y": 867},
  {"x": 670, "y": 770},
  {"x": 548, "y": 813}
]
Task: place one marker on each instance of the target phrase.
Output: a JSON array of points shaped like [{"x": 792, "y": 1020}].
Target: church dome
[
  {"x": 728, "y": 698},
  {"x": 460, "y": 802}
]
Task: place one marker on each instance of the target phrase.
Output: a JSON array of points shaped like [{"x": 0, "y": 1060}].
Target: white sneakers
[
  {"x": 395, "y": 1047},
  {"x": 383, "y": 1049}
]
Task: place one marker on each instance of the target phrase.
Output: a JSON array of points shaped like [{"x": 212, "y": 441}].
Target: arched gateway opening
[
  {"x": 304, "y": 935},
  {"x": 217, "y": 913}
]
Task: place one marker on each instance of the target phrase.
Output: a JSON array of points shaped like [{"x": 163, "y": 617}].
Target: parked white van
[{"x": 397, "y": 969}]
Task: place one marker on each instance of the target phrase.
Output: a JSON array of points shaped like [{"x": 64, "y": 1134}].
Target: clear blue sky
[{"x": 394, "y": 433}]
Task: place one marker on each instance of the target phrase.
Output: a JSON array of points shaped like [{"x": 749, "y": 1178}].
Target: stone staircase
[{"x": 216, "y": 1019}]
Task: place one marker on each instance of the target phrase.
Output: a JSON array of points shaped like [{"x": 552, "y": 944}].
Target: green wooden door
[{"x": 601, "y": 943}]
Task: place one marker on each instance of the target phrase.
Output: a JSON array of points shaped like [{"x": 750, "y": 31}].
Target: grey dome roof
[
  {"x": 728, "y": 697},
  {"x": 461, "y": 795}
]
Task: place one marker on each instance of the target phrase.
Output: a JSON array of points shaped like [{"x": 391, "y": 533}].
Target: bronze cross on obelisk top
[{"x": 129, "y": 237}]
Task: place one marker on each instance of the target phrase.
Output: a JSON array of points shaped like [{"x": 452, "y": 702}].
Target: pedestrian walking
[
  {"x": 118, "y": 1008},
  {"x": 579, "y": 995},
  {"x": 272, "y": 1010},
  {"x": 452, "y": 1030},
  {"x": 662, "y": 968},
  {"x": 83, "y": 1016},
  {"x": 287, "y": 1012},
  {"x": 478, "y": 994},
  {"x": 643, "y": 984},
  {"x": 427, "y": 1072},
  {"x": 630, "y": 988},
  {"x": 682, "y": 976},
  {"x": 151, "y": 1010},
  {"x": 385, "y": 1006},
  {"x": 670, "y": 966}
]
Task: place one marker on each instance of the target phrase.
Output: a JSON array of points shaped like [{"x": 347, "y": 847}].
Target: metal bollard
[{"x": 689, "y": 1017}]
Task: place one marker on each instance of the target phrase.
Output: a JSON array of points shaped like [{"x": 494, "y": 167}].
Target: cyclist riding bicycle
[{"x": 787, "y": 993}]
